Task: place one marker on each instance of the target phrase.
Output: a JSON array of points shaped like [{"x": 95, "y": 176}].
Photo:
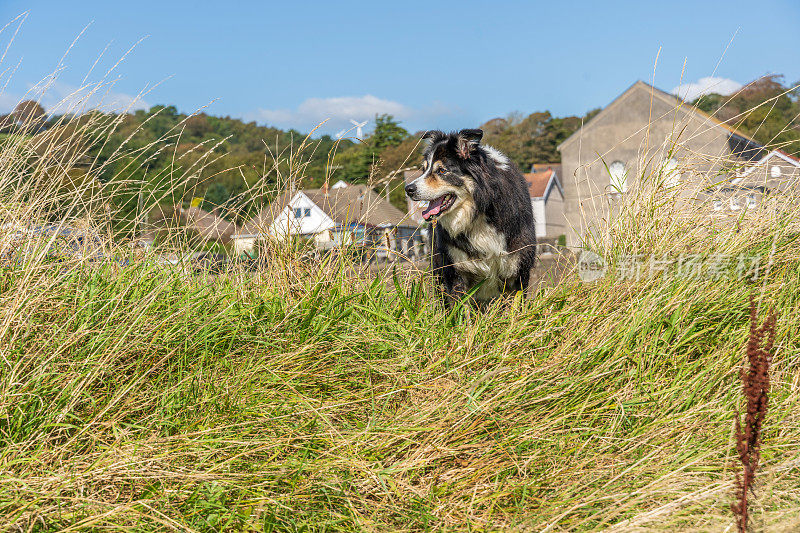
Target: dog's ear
[
  {"x": 433, "y": 136},
  {"x": 468, "y": 140}
]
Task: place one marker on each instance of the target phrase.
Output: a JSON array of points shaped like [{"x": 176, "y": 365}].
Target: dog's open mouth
[{"x": 438, "y": 206}]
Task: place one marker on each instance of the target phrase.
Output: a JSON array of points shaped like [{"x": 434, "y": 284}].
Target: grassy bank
[
  {"x": 312, "y": 397},
  {"x": 141, "y": 398}
]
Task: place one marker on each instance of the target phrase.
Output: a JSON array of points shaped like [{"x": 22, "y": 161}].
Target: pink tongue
[{"x": 434, "y": 207}]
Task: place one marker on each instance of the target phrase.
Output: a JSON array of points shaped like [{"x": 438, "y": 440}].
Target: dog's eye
[{"x": 441, "y": 171}]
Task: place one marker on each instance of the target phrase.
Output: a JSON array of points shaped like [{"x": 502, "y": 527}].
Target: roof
[
  {"x": 344, "y": 205},
  {"x": 780, "y": 154},
  {"x": 208, "y": 225},
  {"x": 794, "y": 160},
  {"x": 541, "y": 167},
  {"x": 541, "y": 182},
  {"x": 537, "y": 182},
  {"x": 265, "y": 217},
  {"x": 670, "y": 99}
]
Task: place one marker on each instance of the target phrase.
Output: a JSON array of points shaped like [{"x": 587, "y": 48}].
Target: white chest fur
[{"x": 489, "y": 258}]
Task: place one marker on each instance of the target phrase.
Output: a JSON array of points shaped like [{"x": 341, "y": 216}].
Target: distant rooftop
[{"x": 343, "y": 203}]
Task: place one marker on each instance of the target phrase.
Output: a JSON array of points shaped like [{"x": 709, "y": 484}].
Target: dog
[{"x": 481, "y": 214}]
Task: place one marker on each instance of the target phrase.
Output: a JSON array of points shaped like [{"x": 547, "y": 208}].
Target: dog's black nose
[{"x": 411, "y": 189}]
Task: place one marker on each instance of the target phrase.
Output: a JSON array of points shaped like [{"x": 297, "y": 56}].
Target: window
[
  {"x": 298, "y": 212},
  {"x": 307, "y": 212},
  {"x": 672, "y": 176},
  {"x": 717, "y": 205},
  {"x": 618, "y": 177},
  {"x": 735, "y": 204},
  {"x": 360, "y": 234},
  {"x": 750, "y": 201},
  {"x": 775, "y": 171}
]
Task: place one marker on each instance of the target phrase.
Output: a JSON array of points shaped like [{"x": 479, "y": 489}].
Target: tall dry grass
[{"x": 308, "y": 396}]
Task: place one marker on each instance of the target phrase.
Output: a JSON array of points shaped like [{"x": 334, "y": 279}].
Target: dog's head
[{"x": 450, "y": 174}]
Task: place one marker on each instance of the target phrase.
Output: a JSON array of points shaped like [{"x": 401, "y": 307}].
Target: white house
[
  {"x": 300, "y": 216},
  {"x": 769, "y": 181},
  {"x": 547, "y": 199},
  {"x": 777, "y": 168},
  {"x": 342, "y": 214}
]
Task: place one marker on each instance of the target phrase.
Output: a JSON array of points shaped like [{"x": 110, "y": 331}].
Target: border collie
[{"x": 479, "y": 204}]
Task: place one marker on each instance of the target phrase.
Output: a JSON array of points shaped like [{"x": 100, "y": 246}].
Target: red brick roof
[
  {"x": 537, "y": 182},
  {"x": 788, "y": 155}
]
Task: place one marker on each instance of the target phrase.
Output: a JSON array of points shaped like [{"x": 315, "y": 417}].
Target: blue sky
[{"x": 432, "y": 64}]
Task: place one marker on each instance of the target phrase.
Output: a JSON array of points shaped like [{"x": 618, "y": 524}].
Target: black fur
[{"x": 500, "y": 195}]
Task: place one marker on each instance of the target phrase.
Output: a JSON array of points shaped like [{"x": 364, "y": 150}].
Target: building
[
  {"x": 645, "y": 138},
  {"x": 198, "y": 224},
  {"x": 51, "y": 241},
  {"x": 769, "y": 180},
  {"x": 777, "y": 171},
  {"x": 547, "y": 199},
  {"x": 344, "y": 214}
]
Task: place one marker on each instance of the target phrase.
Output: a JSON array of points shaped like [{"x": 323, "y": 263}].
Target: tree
[
  {"x": 765, "y": 109},
  {"x": 354, "y": 164},
  {"x": 531, "y": 139},
  {"x": 217, "y": 194},
  {"x": 197, "y": 125},
  {"x": 388, "y": 132},
  {"x": 363, "y": 160},
  {"x": 29, "y": 113}
]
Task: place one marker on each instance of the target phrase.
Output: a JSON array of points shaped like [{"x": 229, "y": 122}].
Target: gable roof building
[
  {"x": 777, "y": 170},
  {"x": 643, "y": 135},
  {"x": 311, "y": 211},
  {"x": 547, "y": 199},
  {"x": 210, "y": 226},
  {"x": 206, "y": 225},
  {"x": 772, "y": 181},
  {"x": 342, "y": 214}
]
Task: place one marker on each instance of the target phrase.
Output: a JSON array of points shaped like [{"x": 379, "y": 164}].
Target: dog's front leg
[{"x": 455, "y": 291}]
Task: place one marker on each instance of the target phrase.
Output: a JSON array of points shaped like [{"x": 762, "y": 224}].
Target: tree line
[{"x": 235, "y": 161}]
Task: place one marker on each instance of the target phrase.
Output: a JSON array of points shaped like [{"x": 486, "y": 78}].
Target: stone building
[
  {"x": 547, "y": 199},
  {"x": 645, "y": 138}
]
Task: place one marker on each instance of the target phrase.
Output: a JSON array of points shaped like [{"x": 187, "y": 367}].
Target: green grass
[
  {"x": 145, "y": 399},
  {"x": 314, "y": 396}
]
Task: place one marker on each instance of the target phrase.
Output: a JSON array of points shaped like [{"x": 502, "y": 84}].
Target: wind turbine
[{"x": 359, "y": 125}]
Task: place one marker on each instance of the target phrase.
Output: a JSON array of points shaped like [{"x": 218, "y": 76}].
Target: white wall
[
  {"x": 317, "y": 222},
  {"x": 539, "y": 217},
  {"x": 243, "y": 244}
]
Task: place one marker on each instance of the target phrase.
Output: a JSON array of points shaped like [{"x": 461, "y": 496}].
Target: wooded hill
[{"x": 236, "y": 159}]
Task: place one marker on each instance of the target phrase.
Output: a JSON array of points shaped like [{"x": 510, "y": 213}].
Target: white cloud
[
  {"x": 691, "y": 91},
  {"x": 65, "y": 98},
  {"x": 8, "y": 102},
  {"x": 59, "y": 98},
  {"x": 338, "y": 111}
]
